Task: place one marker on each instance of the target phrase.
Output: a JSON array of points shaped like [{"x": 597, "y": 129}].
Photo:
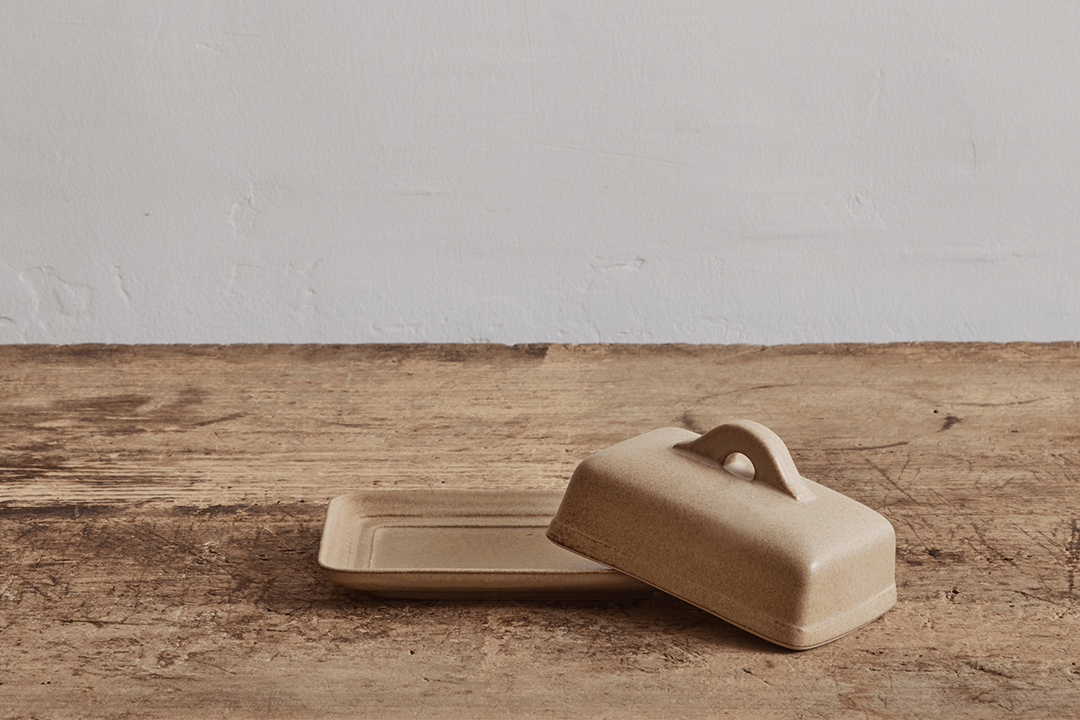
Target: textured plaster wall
[{"x": 741, "y": 171}]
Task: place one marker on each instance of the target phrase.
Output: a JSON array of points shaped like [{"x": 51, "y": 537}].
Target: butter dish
[
  {"x": 783, "y": 557},
  {"x": 458, "y": 544}
]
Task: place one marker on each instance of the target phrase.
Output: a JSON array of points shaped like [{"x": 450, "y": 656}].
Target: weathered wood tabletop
[{"x": 161, "y": 509}]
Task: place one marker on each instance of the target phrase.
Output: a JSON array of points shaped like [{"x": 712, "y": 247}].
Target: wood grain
[{"x": 161, "y": 508}]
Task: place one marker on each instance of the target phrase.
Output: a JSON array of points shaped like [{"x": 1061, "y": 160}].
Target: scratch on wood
[
  {"x": 1072, "y": 552},
  {"x": 1033, "y": 596},
  {"x": 224, "y": 418},
  {"x": 988, "y": 546},
  {"x": 1002, "y": 404},
  {"x": 875, "y": 447},
  {"x": 988, "y": 670},
  {"x": 893, "y": 482}
]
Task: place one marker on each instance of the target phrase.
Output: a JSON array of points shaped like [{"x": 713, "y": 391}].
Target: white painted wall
[{"x": 456, "y": 170}]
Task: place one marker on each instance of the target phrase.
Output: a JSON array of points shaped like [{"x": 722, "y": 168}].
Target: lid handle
[{"x": 772, "y": 461}]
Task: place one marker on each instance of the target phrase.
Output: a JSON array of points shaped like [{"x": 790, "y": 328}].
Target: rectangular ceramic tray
[{"x": 458, "y": 544}]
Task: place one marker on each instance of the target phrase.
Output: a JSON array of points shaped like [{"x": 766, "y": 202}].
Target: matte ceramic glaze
[
  {"x": 780, "y": 556},
  {"x": 457, "y": 543}
]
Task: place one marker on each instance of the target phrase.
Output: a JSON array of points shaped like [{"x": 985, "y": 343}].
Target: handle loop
[{"x": 772, "y": 461}]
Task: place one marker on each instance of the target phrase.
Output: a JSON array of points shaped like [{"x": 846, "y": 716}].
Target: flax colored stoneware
[
  {"x": 458, "y": 544},
  {"x": 780, "y": 556}
]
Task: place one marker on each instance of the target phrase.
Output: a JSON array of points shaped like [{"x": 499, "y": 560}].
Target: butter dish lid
[{"x": 781, "y": 556}]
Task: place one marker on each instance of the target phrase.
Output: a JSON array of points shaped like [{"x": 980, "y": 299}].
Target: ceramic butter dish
[{"x": 780, "y": 556}]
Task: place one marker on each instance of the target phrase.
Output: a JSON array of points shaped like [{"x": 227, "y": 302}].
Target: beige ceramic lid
[{"x": 780, "y": 556}]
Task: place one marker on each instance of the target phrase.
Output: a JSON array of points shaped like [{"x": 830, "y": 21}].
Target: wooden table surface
[{"x": 161, "y": 509}]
